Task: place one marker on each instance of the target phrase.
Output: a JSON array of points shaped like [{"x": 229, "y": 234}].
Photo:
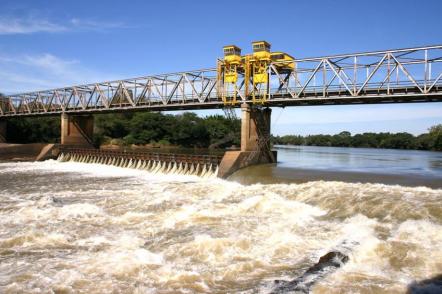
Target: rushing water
[{"x": 76, "y": 227}]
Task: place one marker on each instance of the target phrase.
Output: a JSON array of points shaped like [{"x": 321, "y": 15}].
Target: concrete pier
[
  {"x": 77, "y": 129},
  {"x": 255, "y": 142}
]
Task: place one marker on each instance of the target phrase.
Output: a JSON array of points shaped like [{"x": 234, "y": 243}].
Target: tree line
[
  {"x": 141, "y": 128},
  {"x": 185, "y": 130},
  {"x": 428, "y": 141}
]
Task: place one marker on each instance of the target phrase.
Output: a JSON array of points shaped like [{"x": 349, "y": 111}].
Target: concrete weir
[
  {"x": 255, "y": 142},
  {"x": 167, "y": 163}
]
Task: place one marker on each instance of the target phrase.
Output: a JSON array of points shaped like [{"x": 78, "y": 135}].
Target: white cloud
[
  {"x": 21, "y": 73},
  {"x": 44, "y": 61},
  {"x": 93, "y": 25},
  {"x": 30, "y": 25},
  {"x": 9, "y": 26}
]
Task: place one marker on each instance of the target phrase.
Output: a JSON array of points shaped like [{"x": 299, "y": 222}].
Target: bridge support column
[
  {"x": 255, "y": 142},
  {"x": 2, "y": 131},
  {"x": 77, "y": 129}
]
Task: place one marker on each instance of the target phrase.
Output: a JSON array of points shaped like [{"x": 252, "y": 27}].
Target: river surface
[
  {"x": 69, "y": 227},
  {"x": 299, "y": 164}
]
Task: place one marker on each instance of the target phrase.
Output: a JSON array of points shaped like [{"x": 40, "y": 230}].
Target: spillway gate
[{"x": 155, "y": 162}]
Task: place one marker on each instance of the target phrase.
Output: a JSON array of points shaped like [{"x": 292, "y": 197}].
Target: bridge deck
[{"x": 391, "y": 76}]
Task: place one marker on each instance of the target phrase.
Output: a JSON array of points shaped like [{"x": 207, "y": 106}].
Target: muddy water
[
  {"x": 300, "y": 164},
  {"x": 75, "y": 227}
]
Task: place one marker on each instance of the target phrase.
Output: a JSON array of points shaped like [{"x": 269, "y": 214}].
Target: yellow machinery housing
[
  {"x": 254, "y": 69},
  {"x": 283, "y": 61},
  {"x": 228, "y": 70},
  {"x": 259, "y": 61}
]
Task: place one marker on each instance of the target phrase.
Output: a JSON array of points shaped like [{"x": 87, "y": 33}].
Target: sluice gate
[{"x": 166, "y": 163}]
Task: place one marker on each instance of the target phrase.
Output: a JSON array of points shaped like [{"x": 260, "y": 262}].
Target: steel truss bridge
[{"x": 390, "y": 76}]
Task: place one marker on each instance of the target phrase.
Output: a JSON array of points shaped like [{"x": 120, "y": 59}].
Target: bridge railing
[
  {"x": 395, "y": 74},
  {"x": 414, "y": 71},
  {"x": 196, "y": 87}
]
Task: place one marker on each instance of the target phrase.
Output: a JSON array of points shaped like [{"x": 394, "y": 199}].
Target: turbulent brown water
[{"x": 75, "y": 227}]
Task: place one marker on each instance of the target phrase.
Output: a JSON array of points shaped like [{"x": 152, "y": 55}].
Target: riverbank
[{"x": 431, "y": 141}]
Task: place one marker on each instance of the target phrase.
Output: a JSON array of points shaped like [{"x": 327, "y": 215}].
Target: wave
[{"x": 143, "y": 232}]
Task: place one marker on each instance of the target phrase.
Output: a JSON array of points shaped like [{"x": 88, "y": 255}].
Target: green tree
[
  {"x": 33, "y": 130},
  {"x": 114, "y": 125},
  {"x": 399, "y": 141},
  {"x": 435, "y": 134},
  {"x": 219, "y": 128},
  {"x": 424, "y": 142},
  {"x": 318, "y": 140},
  {"x": 343, "y": 139}
]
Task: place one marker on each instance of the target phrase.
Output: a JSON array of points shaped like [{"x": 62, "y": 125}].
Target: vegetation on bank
[
  {"x": 33, "y": 130},
  {"x": 185, "y": 130},
  {"x": 142, "y": 128},
  {"x": 428, "y": 141}
]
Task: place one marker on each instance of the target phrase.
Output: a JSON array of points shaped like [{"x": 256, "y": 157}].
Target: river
[
  {"x": 69, "y": 227},
  {"x": 299, "y": 164}
]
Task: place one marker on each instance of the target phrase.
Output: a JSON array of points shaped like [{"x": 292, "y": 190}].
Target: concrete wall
[
  {"x": 77, "y": 130},
  {"x": 255, "y": 145},
  {"x": 20, "y": 151},
  {"x": 255, "y": 124}
]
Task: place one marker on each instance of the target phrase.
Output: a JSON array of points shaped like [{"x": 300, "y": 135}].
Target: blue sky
[{"x": 46, "y": 44}]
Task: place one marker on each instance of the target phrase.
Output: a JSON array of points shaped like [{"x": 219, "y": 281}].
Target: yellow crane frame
[
  {"x": 254, "y": 68},
  {"x": 228, "y": 70}
]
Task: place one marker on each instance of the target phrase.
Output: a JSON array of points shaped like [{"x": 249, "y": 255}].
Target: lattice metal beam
[{"x": 402, "y": 75}]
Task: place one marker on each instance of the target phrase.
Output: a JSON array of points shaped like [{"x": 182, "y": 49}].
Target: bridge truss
[{"x": 390, "y": 76}]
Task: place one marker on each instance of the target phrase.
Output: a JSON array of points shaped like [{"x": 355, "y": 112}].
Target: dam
[{"x": 253, "y": 82}]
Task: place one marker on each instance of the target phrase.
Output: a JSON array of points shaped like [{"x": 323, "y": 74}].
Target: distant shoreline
[
  {"x": 282, "y": 146},
  {"x": 431, "y": 141}
]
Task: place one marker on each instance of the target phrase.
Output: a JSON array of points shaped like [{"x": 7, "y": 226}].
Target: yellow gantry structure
[
  {"x": 228, "y": 71},
  {"x": 249, "y": 75}
]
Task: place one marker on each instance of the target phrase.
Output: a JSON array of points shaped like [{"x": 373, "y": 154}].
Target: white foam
[
  {"x": 33, "y": 238},
  {"x": 187, "y": 234},
  {"x": 53, "y": 214},
  {"x": 122, "y": 257}
]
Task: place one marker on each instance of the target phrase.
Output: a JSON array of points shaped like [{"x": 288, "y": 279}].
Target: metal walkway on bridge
[{"x": 390, "y": 76}]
